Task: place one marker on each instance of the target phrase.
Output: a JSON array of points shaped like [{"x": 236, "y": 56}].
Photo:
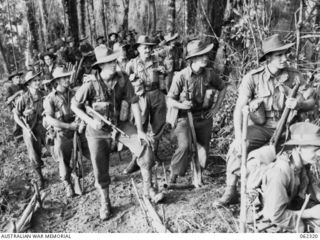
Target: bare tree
[
  {"x": 92, "y": 19},
  {"x": 3, "y": 60},
  {"x": 171, "y": 16},
  {"x": 82, "y": 16},
  {"x": 152, "y": 16},
  {"x": 191, "y": 15},
  {"x": 103, "y": 14},
  {"x": 32, "y": 22},
  {"x": 125, "y": 15},
  {"x": 71, "y": 12},
  {"x": 44, "y": 20}
]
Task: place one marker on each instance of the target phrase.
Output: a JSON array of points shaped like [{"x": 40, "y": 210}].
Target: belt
[{"x": 151, "y": 87}]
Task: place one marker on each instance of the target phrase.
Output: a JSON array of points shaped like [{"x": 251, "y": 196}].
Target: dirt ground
[{"x": 186, "y": 211}]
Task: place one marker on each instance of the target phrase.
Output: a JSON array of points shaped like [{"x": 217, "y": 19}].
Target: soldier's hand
[
  {"x": 95, "y": 124},
  {"x": 292, "y": 103},
  {"x": 143, "y": 136},
  {"x": 186, "y": 105},
  {"x": 132, "y": 77},
  {"x": 73, "y": 126}
]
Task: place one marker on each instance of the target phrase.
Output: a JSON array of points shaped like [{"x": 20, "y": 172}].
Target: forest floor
[{"x": 186, "y": 211}]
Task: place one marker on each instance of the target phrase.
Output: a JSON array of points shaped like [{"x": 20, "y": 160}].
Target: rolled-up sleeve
[{"x": 176, "y": 86}]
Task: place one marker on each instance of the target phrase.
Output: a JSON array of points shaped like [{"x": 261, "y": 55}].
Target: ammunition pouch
[{"x": 257, "y": 112}]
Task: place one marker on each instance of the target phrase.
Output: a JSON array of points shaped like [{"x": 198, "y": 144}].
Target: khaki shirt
[
  {"x": 200, "y": 87},
  {"x": 282, "y": 185},
  {"x": 260, "y": 84},
  {"x": 94, "y": 90}
]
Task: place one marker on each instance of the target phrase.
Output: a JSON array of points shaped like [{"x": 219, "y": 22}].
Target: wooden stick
[
  {"x": 306, "y": 200},
  {"x": 36, "y": 189},
  {"x": 157, "y": 223},
  {"x": 243, "y": 207},
  {"x": 142, "y": 206}
]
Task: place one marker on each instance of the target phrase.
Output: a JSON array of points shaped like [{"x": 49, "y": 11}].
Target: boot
[
  {"x": 230, "y": 196},
  {"x": 69, "y": 189},
  {"x": 132, "y": 167},
  {"x": 105, "y": 209},
  {"x": 148, "y": 191}
]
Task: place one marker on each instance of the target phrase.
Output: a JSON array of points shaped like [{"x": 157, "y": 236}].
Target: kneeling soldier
[{"x": 104, "y": 93}]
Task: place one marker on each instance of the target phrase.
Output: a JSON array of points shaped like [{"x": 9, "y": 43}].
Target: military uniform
[
  {"x": 201, "y": 88},
  {"x": 94, "y": 91},
  {"x": 260, "y": 84},
  {"x": 147, "y": 87},
  {"x": 57, "y": 105},
  {"x": 284, "y": 186},
  {"x": 30, "y": 107}
]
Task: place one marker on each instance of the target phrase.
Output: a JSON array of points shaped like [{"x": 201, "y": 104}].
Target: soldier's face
[
  {"x": 200, "y": 62},
  {"x": 310, "y": 154},
  {"x": 64, "y": 82},
  {"x": 144, "y": 51},
  {"x": 16, "y": 80},
  {"x": 279, "y": 59},
  {"x": 35, "y": 83},
  {"x": 108, "y": 70},
  {"x": 48, "y": 60}
]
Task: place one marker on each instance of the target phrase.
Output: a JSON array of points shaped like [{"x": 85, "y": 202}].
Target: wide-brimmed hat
[
  {"x": 105, "y": 55},
  {"x": 144, "y": 40},
  {"x": 50, "y": 46},
  {"x": 13, "y": 74},
  {"x": 99, "y": 37},
  {"x": 30, "y": 75},
  {"x": 59, "y": 72},
  {"x": 83, "y": 37},
  {"x": 273, "y": 44},
  {"x": 304, "y": 133},
  {"x": 168, "y": 38},
  {"x": 50, "y": 54},
  {"x": 113, "y": 33},
  {"x": 197, "y": 48}
]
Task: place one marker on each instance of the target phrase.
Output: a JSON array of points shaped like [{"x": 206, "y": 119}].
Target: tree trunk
[
  {"x": 171, "y": 17},
  {"x": 89, "y": 22},
  {"x": 125, "y": 15},
  {"x": 152, "y": 17},
  {"x": 44, "y": 20},
  {"x": 191, "y": 16},
  {"x": 11, "y": 36},
  {"x": 103, "y": 16},
  {"x": 3, "y": 59},
  {"x": 82, "y": 16},
  {"x": 92, "y": 19},
  {"x": 71, "y": 12},
  {"x": 32, "y": 25},
  {"x": 106, "y": 23}
]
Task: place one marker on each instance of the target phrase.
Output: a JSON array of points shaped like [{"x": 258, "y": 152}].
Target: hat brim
[
  {"x": 284, "y": 47},
  {"x": 202, "y": 52},
  {"x": 32, "y": 77},
  {"x": 110, "y": 58},
  {"x": 17, "y": 74},
  {"x": 174, "y": 37},
  {"x": 314, "y": 142},
  {"x": 82, "y": 39}
]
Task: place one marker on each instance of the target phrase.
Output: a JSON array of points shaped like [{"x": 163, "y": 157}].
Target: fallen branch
[
  {"x": 140, "y": 201},
  {"x": 178, "y": 186}
]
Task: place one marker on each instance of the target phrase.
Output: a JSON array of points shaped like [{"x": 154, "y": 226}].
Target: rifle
[
  {"x": 197, "y": 181},
  {"x": 77, "y": 169},
  {"x": 73, "y": 76},
  {"x": 277, "y": 133},
  {"x": 28, "y": 127},
  {"x": 97, "y": 115}
]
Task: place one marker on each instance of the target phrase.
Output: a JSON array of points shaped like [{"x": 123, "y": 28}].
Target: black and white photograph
[{"x": 159, "y": 116}]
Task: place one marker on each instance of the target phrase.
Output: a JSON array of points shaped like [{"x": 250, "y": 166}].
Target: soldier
[
  {"x": 50, "y": 65},
  {"x": 28, "y": 115},
  {"x": 172, "y": 56},
  {"x": 12, "y": 91},
  {"x": 85, "y": 47},
  {"x": 269, "y": 86},
  {"x": 113, "y": 38},
  {"x": 72, "y": 52},
  {"x": 294, "y": 174},
  {"x": 59, "y": 116},
  {"x": 107, "y": 92},
  {"x": 144, "y": 72},
  {"x": 122, "y": 59},
  {"x": 200, "y": 82}
]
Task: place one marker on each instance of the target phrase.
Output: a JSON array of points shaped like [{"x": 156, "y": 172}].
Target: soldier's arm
[{"x": 17, "y": 113}]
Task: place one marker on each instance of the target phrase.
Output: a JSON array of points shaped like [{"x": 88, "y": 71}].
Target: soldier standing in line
[
  {"x": 193, "y": 89},
  {"x": 28, "y": 115},
  {"x": 59, "y": 116},
  {"x": 144, "y": 72},
  {"x": 269, "y": 86},
  {"x": 105, "y": 91}
]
